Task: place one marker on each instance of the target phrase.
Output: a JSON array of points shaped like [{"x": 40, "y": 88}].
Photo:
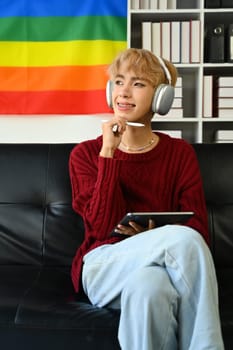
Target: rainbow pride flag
[{"x": 54, "y": 54}]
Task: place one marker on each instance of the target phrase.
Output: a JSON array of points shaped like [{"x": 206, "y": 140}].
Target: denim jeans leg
[
  {"x": 185, "y": 258},
  {"x": 149, "y": 305}
]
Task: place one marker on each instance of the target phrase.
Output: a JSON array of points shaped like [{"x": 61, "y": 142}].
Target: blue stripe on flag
[{"x": 63, "y": 8}]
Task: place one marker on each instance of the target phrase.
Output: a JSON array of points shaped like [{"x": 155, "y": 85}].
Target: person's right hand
[
  {"x": 134, "y": 228},
  {"x": 112, "y": 133}
]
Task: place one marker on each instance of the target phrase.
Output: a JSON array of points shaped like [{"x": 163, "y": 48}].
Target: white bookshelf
[{"x": 194, "y": 127}]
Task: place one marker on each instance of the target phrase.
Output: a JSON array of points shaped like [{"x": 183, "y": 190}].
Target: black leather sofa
[{"x": 39, "y": 234}]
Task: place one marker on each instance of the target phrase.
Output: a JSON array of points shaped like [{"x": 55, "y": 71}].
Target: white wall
[{"x": 50, "y": 128}]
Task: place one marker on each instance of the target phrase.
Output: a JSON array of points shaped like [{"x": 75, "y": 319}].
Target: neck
[
  {"x": 140, "y": 148},
  {"x": 138, "y": 141}
]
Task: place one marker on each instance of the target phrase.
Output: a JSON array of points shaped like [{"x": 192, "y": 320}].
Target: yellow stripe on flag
[{"x": 42, "y": 54}]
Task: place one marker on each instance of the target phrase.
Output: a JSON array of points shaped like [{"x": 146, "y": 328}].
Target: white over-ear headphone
[{"x": 163, "y": 96}]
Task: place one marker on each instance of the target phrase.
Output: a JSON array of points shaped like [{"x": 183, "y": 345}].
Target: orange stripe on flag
[
  {"x": 53, "y": 102},
  {"x": 53, "y": 78}
]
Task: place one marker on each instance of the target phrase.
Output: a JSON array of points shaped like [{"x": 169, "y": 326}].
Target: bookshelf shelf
[
  {"x": 177, "y": 120},
  {"x": 193, "y": 125}
]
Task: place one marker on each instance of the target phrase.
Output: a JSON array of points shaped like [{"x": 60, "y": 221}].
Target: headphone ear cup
[
  {"x": 163, "y": 99},
  {"x": 109, "y": 88}
]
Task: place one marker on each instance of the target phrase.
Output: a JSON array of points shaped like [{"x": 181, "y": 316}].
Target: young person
[{"x": 162, "y": 278}]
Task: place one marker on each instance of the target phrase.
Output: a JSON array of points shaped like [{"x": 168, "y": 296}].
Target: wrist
[{"x": 107, "y": 152}]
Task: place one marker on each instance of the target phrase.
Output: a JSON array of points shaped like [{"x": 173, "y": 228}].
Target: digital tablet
[{"x": 159, "y": 218}]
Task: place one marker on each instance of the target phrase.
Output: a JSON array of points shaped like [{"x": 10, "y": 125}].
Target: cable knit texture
[{"x": 167, "y": 178}]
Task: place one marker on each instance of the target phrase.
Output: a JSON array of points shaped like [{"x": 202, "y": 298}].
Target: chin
[{"x": 121, "y": 114}]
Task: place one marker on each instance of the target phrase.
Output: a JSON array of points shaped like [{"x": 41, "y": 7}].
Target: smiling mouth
[{"x": 125, "y": 105}]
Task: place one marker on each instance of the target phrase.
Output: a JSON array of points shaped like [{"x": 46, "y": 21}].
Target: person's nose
[{"x": 124, "y": 91}]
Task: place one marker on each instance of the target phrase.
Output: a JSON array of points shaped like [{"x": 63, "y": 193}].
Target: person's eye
[
  {"x": 118, "y": 82},
  {"x": 139, "y": 84}
]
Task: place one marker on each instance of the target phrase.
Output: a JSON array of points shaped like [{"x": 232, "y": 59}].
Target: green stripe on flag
[{"x": 63, "y": 28}]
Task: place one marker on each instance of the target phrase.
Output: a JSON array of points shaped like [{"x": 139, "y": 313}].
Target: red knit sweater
[{"x": 166, "y": 178}]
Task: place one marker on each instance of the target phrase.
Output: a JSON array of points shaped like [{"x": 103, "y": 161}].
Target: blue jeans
[{"x": 164, "y": 282}]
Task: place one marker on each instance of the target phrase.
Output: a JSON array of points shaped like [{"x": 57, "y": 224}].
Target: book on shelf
[
  {"x": 195, "y": 41},
  {"x": 223, "y": 136},
  {"x": 161, "y": 39},
  {"x": 217, "y": 96},
  {"x": 175, "y": 42},
  {"x": 224, "y": 94},
  {"x": 225, "y": 102},
  {"x": 135, "y": 4},
  {"x": 185, "y": 42},
  {"x": 178, "y": 92},
  {"x": 171, "y": 4},
  {"x": 162, "y": 4},
  {"x": 177, "y": 102},
  {"x": 166, "y": 40},
  {"x": 225, "y": 81},
  {"x": 156, "y": 38},
  {"x": 173, "y": 133},
  {"x": 207, "y": 96},
  {"x": 153, "y": 4},
  {"x": 147, "y": 35},
  {"x": 225, "y": 113},
  {"x": 229, "y": 44},
  {"x": 175, "y": 113},
  {"x": 225, "y": 91},
  {"x": 144, "y": 4},
  {"x": 179, "y": 82},
  {"x": 223, "y": 141}
]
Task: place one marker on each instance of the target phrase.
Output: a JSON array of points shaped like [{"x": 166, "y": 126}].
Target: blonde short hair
[{"x": 145, "y": 64}]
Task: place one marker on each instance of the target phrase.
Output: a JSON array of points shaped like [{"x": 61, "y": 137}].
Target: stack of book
[
  {"x": 218, "y": 96},
  {"x": 225, "y": 97},
  {"x": 176, "y": 41},
  {"x": 153, "y": 4},
  {"x": 176, "y": 110}
]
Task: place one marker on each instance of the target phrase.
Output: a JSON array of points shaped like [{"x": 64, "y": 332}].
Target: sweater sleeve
[{"x": 96, "y": 190}]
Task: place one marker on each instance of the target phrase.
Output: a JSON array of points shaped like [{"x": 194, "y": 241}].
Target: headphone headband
[{"x": 166, "y": 70}]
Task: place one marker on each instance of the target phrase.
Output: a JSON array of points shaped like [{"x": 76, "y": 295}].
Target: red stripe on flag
[{"x": 53, "y": 102}]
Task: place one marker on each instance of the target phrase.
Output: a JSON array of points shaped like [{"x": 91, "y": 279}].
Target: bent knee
[
  {"x": 151, "y": 283},
  {"x": 187, "y": 235}
]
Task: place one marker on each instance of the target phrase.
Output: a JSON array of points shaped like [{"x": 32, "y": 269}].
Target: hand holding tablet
[{"x": 159, "y": 218}]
